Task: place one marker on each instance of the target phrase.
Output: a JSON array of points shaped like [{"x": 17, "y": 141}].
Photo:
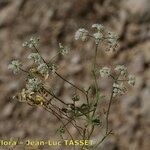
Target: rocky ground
[{"x": 56, "y": 21}]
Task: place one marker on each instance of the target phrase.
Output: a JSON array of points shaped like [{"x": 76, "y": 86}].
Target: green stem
[
  {"x": 96, "y": 84},
  {"x": 107, "y": 113},
  {"x": 95, "y": 56},
  {"x": 92, "y": 130},
  {"x": 109, "y": 105},
  {"x": 94, "y": 75}
]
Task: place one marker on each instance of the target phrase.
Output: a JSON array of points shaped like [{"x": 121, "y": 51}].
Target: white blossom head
[
  {"x": 53, "y": 68},
  {"x": 32, "y": 42},
  {"x": 112, "y": 40},
  {"x": 63, "y": 50},
  {"x": 33, "y": 84},
  {"x": 98, "y": 26},
  {"x": 15, "y": 66},
  {"x": 105, "y": 72},
  {"x": 121, "y": 69},
  {"x": 118, "y": 89},
  {"x": 81, "y": 34},
  {"x": 35, "y": 57},
  {"x": 43, "y": 69},
  {"x": 98, "y": 36},
  {"x": 131, "y": 80}
]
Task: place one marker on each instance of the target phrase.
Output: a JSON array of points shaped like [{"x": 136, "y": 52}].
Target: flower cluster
[
  {"x": 81, "y": 34},
  {"x": 118, "y": 86},
  {"x": 118, "y": 89},
  {"x": 121, "y": 69},
  {"x": 43, "y": 69},
  {"x": 63, "y": 50},
  {"x": 98, "y": 26},
  {"x": 15, "y": 66},
  {"x": 99, "y": 34},
  {"x": 131, "y": 80},
  {"x": 110, "y": 38},
  {"x": 105, "y": 72},
  {"x": 35, "y": 57},
  {"x": 53, "y": 68},
  {"x": 33, "y": 42},
  {"x": 33, "y": 84}
]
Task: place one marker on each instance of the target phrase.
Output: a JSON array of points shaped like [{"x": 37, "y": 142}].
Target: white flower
[
  {"x": 98, "y": 36},
  {"x": 33, "y": 84},
  {"x": 25, "y": 44},
  {"x": 105, "y": 72},
  {"x": 122, "y": 69},
  {"x": 43, "y": 69},
  {"x": 32, "y": 42},
  {"x": 36, "y": 57},
  {"x": 81, "y": 34},
  {"x": 98, "y": 26},
  {"x": 131, "y": 80},
  {"x": 112, "y": 40},
  {"x": 15, "y": 66},
  {"x": 53, "y": 68},
  {"x": 63, "y": 50},
  {"x": 118, "y": 89}
]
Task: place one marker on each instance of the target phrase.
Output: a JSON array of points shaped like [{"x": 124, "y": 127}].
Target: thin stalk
[
  {"x": 94, "y": 75},
  {"x": 92, "y": 130},
  {"x": 70, "y": 83},
  {"x": 96, "y": 84},
  {"x": 84, "y": 135},
  {"x": 112, "y": 77},
  {"x": 59, "y": 118},
  {"x": 109, "y": 105},
  {"x": 87, "y": 99},
  {"x": 71, "y": 119},
  {"x": 40, "y": 55},
  {"x": 107, "y": 113},
  {"x": 105, "y": 136},
  {"x": 52, "y": 94},
  {"x": 50, "y": 61},
  {"x": 23, "y": 70},
  {"x": 95, "y": 56}
]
